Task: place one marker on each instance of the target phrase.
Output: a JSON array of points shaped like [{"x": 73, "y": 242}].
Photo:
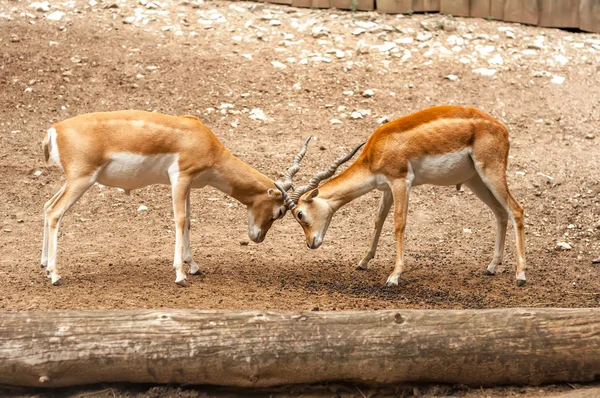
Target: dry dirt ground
[{"x": 303, "y": 68}]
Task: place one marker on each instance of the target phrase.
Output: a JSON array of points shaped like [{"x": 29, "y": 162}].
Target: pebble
[
  {"x": 40, "y": 6},
  {"x": 55, "y": 16},
  {"x": 485, "y": 71},
  {"x": 142, "y": 208},
  {"x": 557, "y": 79},
  {"x": 452, "y": 77},
  {"x": 563, "y": 246},
  {"x": 356, "y": 115},
  {"x": 335, "y": 121},
  {"x": 278, "y": 65},
  {"x": 368, "y": 93},
  {"x": 257, "y": 114}
]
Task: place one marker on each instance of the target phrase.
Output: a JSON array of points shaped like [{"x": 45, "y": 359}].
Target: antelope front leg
[
  {"x": 384, "y": 209},
  {"x": 400, "y": 191},
  {"x": 180, "y": 189},
  {"x": 187, "y": 248}
]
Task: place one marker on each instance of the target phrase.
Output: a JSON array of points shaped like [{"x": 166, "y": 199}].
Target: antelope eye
[
  {"x": 280, "y": 213},
  {"x": 300, "y": 216}
]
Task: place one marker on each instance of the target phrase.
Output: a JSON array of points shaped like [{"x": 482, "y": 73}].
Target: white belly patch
[
  {"x": 133, "y": 171},
  {"x": 447, "y": 169}
]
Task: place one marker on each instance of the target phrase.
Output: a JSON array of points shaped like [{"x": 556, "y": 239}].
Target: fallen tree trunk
[{"x": 262, "y": 348}]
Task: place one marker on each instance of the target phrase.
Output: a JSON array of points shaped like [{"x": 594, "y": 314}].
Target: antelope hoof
[
  {"x": 392, "y": 280},
  {"x": 488, "y": 272},
  {"x": 57, "y": 282},
  {"x": 362, "y": 266},
  {"x": 183, "y": 283},
  {"x": 42, "y": 266},
  {"x": 521, "y": 282},
  {"x": 196, "y": 272}
]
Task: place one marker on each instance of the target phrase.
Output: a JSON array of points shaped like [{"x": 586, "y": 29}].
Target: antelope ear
[
  {"x": 273, "y": 193},
  {"x": 313, "y": 194}
]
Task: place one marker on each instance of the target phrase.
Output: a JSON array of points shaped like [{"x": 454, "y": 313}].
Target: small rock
[
  {"x": 563, "y": 246},
  {"x": 7, "y": 230},
  {"x": 142, "y": 208},
  {"x": 129, "y": 20},
  {"x": 335, "y": 121},
  {"x": 55, "y": 16},
  {"x": 430, "y": 25},
  {"x": 244, "y": 243},
  {"x": 383, "y": 120},
  {"x": 387, "y": 46},
  {"x": 339, "y": 54},
  {"x": 348, "y": 92},
  {"x": 20, "y": 221},
  {"x": 451, "y": 77},
  {"x": 368, "y": 93},
  {"x": 257, "y": 114},
  {"x": 424, "y": 36},
  {"x": 404, "y": 40},
  {"x": 28, "y": 90},
  {"x": 297, "y": 86},
  {"x": 496, "y": 60},
  {"x": 485, "y": 71},
  {"x": 358, "y": 31},
  {"x": 590, "y": 136},
  {"x": 557, "y": 79},
  {"x": 570, "y": 226},
  {"x": 278, "y": 65},
  {"x": 467, "y": 230},
  {"x": 510, "y": 34},
  {"x": 320, "y": 31},
  {"x": 275, "y": 22},
  {"x": 356, "y": 115},
  {"x": 40, "y": 6}
]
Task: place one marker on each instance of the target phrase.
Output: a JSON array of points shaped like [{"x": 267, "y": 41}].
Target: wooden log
[{"x": 263, "y": 348}]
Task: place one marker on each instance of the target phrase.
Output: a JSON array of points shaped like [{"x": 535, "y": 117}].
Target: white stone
[
  {"x": 383, "y": 120},
  {"x": 278, "y": 65},
  {"x": 496, "y": 60},
  {"x": 510, "y": 34},
  {"x": 320, "y": 31},
  {"x": 368, "y": 93},
  {"x": 485, "y": 71},
  {"x": 257, "y": 114},
  {"x": 424, "y": 36},
  {"x": 356, "y": 115},
  {"x": 339, "y": 54},
  {"x": 358, "y": 31},
  {"x": 557, "y": 79},
  {"x": 467, "y": 230},
  {"x": 452, "y": 77},
  {"x": 563, "y": 246},
  {"x": 297, "y": 86},
  {"x": 348, "y": 92},
  {"x": 335, "y": 121},
  {"x": 142, "y": 208},
  {"x": 275, "y": 22},
  {"x": 387, "y": 46},
  {"x": 40, "y": 6},
  {"x": 404, "y": 40},
  {"x": 55, "y": 16}
]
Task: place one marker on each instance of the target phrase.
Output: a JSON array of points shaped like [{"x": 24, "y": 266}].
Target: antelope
[
  {"x": 442, "y": 145},
  {"x": 133, "y": 149}
]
